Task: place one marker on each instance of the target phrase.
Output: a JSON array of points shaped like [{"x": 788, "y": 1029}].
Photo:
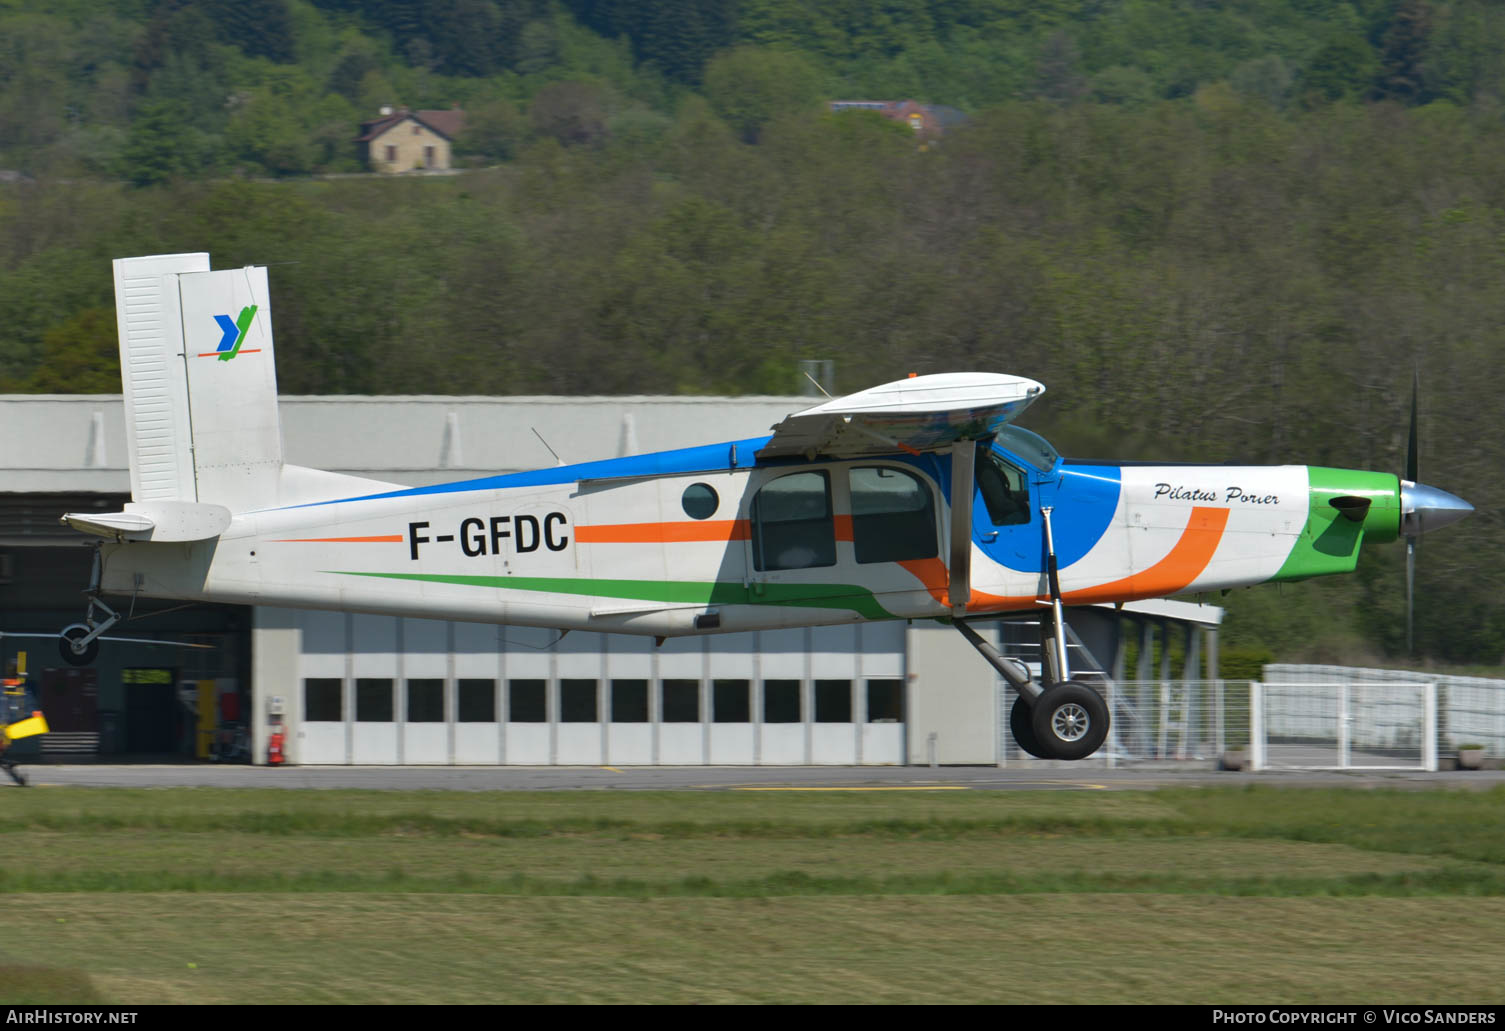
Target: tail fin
[
  {"x": 200, "y": 384},
  {"x": 200, "y": 381}
]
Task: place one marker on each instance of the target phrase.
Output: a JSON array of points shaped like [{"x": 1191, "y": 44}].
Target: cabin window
[
  {"x": 700, "y": 501},
  {"x": 1005, "y": 492},
  {"x": 893, "y": 515},
  {"x": 793, "y": 526}
]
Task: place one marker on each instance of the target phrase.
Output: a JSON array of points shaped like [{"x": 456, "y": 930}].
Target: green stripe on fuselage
[
  {"x": 669, "y": 592},
  {"x": 1329, "y": 542}
]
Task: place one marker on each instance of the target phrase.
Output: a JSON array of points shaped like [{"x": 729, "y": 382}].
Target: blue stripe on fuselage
[{"x": 737, "y": 454}]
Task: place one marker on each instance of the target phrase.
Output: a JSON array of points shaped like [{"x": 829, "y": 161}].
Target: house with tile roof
[
  {"x": 400, "y": 140},
  {"x": 927, "y": 120}
]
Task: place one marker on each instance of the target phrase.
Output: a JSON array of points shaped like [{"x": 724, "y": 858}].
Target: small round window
[{"x": 700, "y": 501}]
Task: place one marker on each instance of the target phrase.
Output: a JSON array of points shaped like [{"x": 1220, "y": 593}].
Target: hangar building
[{"x": 368, "y": 689}]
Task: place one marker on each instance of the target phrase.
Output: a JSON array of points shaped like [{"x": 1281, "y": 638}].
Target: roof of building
[
  {"x": 446, "y": 122},
  {"x": 76, "y": 442}
]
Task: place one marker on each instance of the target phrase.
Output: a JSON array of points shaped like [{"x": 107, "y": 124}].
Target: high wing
[{"x": 922, "y": 413}]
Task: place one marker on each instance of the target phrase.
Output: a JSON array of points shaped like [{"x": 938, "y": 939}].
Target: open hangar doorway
[{"x": 133, "y": 701}]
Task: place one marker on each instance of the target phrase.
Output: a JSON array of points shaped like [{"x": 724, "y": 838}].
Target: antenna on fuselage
[{"x": 545, "y": 443}]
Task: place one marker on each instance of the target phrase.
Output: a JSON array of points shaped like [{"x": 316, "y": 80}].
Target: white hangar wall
[{"x": 378, "y": 690}]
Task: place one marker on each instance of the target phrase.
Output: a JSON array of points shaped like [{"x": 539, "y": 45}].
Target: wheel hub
[{"x": 1070, "y": 722}]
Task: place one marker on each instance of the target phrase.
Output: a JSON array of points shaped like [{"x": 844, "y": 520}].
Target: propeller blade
[
  {"x": 1411, "y": 459},
  {"x": 1410, "y": 592}
]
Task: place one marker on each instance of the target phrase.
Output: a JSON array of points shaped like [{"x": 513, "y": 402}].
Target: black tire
[
  {"x": 1070, "y": 720},
  {"x": 76, "y": 632},
  {"x": 1024, "y": 732}
]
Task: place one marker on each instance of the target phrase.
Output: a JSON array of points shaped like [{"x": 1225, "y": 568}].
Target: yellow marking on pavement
[{"x": 613, "y": 769}]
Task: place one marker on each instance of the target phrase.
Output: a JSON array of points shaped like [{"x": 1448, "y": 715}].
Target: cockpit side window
[
  {"x": 793, "y": 525},
  {"x": 1005, "y": 491}
]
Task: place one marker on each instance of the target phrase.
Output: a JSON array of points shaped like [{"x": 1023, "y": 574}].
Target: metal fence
[
  {"x": 1340, "y": 725},
  {"x": 1169, "y": 720},
  {"x": 1306, "y": 717},
  {"x": 1470, "y": 710}
]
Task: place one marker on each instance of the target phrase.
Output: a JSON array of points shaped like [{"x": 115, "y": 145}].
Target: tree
[
  {"x": 493, "y": 129},
  {"x": 570, "y": 112},
  {"x": 1403, "y": 52},
  {"x": 80, "y": 355},
  {"x": 156, "y": 149},
  {"x": 1340, "y": 70},
  {"x": 750, "y": 86}
]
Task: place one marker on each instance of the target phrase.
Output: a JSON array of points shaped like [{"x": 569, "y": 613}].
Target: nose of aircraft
[{"x": 1426, "y": 508}]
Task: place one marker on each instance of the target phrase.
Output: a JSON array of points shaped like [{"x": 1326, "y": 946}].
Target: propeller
[
  {"x": 1412, "y": 474},
  {"x": 1422, "y": 508}
]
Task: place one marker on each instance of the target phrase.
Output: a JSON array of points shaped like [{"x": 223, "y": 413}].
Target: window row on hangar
[{"x": 581, "y": 700}]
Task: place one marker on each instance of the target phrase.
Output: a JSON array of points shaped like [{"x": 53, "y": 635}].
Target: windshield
[{"x": 1030, "y": 447}]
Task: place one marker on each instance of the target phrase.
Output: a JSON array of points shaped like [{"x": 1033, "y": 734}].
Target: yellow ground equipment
[{"x": 17, "y": 718}]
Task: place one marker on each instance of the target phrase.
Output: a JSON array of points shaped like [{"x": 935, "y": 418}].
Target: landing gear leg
[
  {"x": 1060, "y": 720},
  {"x": 78, "y": 643}
]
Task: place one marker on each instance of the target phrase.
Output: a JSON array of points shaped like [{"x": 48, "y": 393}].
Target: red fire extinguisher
[{"x": 274, "y": 747}]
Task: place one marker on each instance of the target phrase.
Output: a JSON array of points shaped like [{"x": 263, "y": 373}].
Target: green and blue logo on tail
[{"x": 234, "y": 333}]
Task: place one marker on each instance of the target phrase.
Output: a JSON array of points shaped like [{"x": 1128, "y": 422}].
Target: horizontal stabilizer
[
  {"x": 915, "y": 415},
  {"x": 154, "y": 521}
]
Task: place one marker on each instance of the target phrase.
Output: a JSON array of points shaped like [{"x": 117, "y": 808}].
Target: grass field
[{"x": 1256, "y": 895}]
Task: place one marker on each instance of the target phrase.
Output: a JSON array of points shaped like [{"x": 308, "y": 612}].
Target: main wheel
[
  {"x": 1024, "y": 733},
  {"x": 1070, "y": 721},
  {"x": 77, "y": 632}
]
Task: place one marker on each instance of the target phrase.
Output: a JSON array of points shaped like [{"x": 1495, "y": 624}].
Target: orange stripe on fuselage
[
  {"x": 395, "y": 538},
  {"x": 1172, "y": 574},
  {"x": 936, "y": 576},
  {"x": 664, "y": 533},
  {"x": 931, "y": 572}
]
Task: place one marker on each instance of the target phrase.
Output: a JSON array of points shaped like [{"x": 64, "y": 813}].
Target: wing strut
[
  {"x": 1057, "y": 617},
  {"x": 963, "y": 465}
]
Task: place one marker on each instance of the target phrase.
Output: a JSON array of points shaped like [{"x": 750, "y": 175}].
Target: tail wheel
[
  {"x": 1024, "y": 732},
  {"x": 1070, "y": 721},
  {"x": 71, "y": 635}
]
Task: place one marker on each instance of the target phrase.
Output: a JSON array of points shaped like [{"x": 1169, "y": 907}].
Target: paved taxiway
[{"x": 635, "y": 778}]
